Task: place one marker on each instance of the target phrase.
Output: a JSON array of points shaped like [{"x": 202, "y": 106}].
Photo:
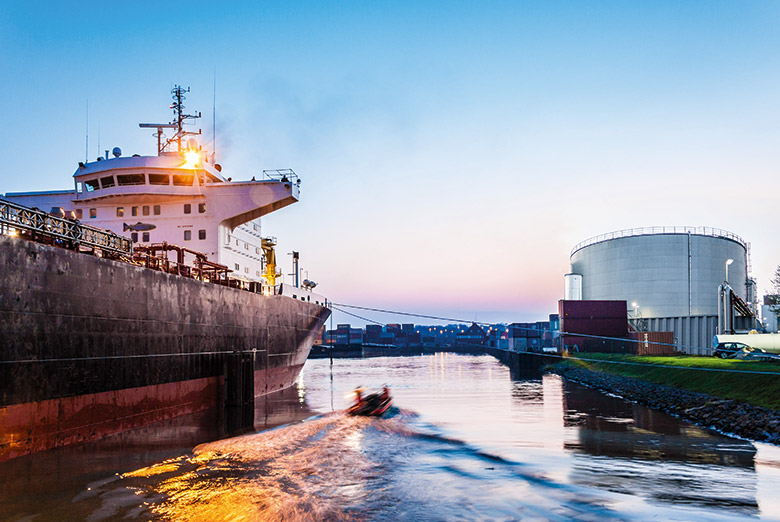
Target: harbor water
[{"x": 468, "y": 441}]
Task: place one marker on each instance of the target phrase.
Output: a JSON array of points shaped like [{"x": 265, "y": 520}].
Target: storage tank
[
  {"x": 667, "y": 271},
  {"x": 573, "y": 287}
]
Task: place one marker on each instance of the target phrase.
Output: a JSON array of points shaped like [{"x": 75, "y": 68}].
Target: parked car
[
  {"x": 742, "y": 351},
  {"x": 727, "y": 350}
]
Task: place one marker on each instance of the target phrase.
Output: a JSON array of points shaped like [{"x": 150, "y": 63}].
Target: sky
[{"x": 452, "y": 153}]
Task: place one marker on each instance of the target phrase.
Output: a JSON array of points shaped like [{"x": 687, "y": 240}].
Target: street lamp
[
  {"x": 636, "y": 309},
  {"x": 728, "y": 262}
]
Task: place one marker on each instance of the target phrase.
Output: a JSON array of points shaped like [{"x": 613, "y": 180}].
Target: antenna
[
  {"x": 214, "y": 120},
  {"x": 86, "y": 128},
  {"x": 178, "y": 95}
]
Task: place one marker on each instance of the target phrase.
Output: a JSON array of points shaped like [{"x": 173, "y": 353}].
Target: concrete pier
[{"x": 523, "y": 364}]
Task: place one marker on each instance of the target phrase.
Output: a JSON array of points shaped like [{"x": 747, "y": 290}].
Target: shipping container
[
  {"x": 586, "y": 309},
  {"x": 601, "y": 318},
  {"x": 653, "y": 343}
]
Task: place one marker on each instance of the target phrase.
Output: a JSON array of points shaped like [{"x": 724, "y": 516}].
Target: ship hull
[{"x": 91, "y": 347}]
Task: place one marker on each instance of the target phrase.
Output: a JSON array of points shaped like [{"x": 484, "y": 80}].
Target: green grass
[{"x": 681, "y": 372}]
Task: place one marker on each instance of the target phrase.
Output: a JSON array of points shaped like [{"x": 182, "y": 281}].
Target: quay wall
[{"x": 523, "y": 362}]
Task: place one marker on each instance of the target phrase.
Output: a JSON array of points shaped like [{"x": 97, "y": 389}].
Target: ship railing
[
  {"x": 18, "y": 220},
  {"x": 281, "y": 175},
  {"x": 647, "y": 231},
  {"x": 155, "y": 257},
  {"x": 163, "y": 264}
]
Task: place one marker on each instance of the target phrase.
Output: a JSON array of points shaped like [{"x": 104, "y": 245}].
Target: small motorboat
[{"x": 371, "y": 405}]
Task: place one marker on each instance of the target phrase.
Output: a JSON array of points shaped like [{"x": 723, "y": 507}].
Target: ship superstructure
[{"x": 179, "y": 196}]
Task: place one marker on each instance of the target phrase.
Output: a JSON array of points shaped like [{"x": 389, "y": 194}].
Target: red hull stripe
[{"x": 37, "y": 426}]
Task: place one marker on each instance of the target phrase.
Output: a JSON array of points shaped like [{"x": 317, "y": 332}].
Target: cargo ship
[{"x": 145, "y": 292}]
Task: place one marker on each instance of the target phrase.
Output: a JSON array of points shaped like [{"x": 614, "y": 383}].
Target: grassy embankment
[{"x": 679, "y": 372}]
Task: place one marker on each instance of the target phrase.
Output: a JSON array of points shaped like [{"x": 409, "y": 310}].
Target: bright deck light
[{"x": 192, "y": 157}]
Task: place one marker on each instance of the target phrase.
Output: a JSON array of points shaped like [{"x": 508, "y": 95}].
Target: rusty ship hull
[{"x": 90, "y": 346}]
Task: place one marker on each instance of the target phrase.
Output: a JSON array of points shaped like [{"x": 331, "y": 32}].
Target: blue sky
[{"x": 452, "y": 152}]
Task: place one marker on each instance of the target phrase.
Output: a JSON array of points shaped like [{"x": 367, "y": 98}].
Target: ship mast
[{"x": 179, "y": 120}]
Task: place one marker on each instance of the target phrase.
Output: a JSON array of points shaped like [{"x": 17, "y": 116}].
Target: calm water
[{"x": 468, "y": 442}]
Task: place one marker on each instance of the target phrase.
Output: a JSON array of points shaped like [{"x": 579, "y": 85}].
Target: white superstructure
[{"x": 179, "y": 197}]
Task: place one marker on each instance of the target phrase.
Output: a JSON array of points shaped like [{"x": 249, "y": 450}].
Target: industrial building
[{"x": 670, "y": 278}]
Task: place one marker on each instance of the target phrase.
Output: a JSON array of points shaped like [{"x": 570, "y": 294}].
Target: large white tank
[{"x": 666, "y": 271}]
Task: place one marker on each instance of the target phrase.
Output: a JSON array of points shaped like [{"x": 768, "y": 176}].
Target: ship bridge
[{"x": 172, "y": 177}]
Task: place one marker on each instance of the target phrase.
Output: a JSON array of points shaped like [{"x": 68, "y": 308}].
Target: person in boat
[{"x": 373, "y": 404}]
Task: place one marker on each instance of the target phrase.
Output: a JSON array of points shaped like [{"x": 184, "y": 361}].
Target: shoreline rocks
[{"x": 724, "y": 415}]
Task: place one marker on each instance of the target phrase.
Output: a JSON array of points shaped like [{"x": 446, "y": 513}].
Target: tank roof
[{"x": 655, "y": 231}]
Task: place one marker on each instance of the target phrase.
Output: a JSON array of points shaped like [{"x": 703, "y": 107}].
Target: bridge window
[
  {"x": 156, "y": 210},
  {"x": 131, "y": 179},
  {"x": 237, "y": 268},
  {"x": 159, "y": 179},
  {"x": 183, "y": 180},
  {"x": 146, "y": 210},
  {"x": 134, "y": 211},
  {"x": 91, "y": 184},
  {"x": 120, "y": 211},
  {"x": 201, "y": 208},
  {"x": 92, "y": 213},
  {"x": 187, "y": 235},
  {"x": 187, "y": 208},
  {"x": 201, "y": 234},
  {"x": 134, "y": 237},
  {"x": 146, "y": 237},
  {"x": 107, "y": 182}
]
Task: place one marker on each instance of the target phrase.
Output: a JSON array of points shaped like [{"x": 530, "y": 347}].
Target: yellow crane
[{"x": 268, "y": 245}]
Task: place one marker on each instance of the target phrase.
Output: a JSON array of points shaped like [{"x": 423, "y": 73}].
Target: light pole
[{"x": 728, "y": 262}]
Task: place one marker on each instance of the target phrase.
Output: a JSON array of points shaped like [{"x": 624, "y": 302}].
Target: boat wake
[{"x": 341, "y": 467}]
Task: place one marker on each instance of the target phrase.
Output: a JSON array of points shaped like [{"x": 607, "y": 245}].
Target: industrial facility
[{"x": 692, "y": 281}]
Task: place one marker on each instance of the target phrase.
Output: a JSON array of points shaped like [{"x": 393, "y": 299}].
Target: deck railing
[{"x": 16, "y": 218}]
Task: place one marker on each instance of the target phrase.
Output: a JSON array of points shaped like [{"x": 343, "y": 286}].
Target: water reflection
[
  {"x": 56, "y": 484},
  {"x": 613, "y": 427},
  {"x": 628, "y": 449}
]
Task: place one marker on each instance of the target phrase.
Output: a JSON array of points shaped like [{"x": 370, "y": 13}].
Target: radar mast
[{"x": 179, "y": 120}]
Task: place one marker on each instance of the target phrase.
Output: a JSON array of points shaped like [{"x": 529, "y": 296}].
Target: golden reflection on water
[
  {"x": 305, "y": 471},
  {"x": 156, "y": 469}
]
